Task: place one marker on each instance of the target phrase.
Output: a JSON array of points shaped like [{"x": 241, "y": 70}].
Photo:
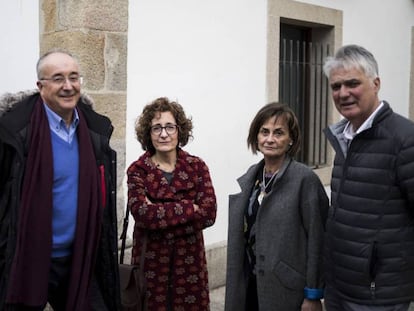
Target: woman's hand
[{"x": 311, "y": 305}]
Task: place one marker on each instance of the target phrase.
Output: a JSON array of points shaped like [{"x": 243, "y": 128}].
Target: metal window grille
[{"x": 304, "y": 87}]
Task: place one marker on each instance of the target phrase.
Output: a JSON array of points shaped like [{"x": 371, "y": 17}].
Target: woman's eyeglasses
[{"x": 170, "y": 129}]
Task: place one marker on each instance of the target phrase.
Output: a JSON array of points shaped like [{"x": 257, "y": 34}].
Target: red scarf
[{"x": 28, "y": 284}]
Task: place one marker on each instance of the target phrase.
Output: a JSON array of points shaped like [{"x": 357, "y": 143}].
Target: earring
[{"x": 291, "y": 143}]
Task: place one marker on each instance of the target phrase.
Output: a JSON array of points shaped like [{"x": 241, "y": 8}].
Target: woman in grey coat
[{"x": 276, "y": 223}]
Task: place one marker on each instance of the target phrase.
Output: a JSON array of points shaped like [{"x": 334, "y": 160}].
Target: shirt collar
[
  {"x": 56, "y": 122},
  {"x": 349, "y": 132}
]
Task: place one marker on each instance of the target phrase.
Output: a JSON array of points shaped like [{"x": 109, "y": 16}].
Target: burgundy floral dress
[{"x": 175, "y": 263}]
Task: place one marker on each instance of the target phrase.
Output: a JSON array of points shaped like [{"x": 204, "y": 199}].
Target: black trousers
[
  {"x": 252, "y": 302},
  {"x": 335, "y": 303},
  {"x": 58, "y": 288}
]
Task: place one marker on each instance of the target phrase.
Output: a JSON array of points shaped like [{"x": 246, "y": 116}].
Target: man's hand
[{"x": 311, "y": 305}]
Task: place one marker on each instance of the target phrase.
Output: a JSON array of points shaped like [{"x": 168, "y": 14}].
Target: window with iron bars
[{"x": 304, "y": 87}]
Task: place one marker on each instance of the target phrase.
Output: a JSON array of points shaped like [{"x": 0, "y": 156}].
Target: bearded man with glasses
[{"x": 58, "y": 234}]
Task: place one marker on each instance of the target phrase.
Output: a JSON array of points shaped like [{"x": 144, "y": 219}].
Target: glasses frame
[
  {"x": 161, "y": 128},
  {"x": 55, "y": 80}
]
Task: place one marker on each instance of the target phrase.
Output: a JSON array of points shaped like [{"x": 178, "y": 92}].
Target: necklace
[
  {"x": 164, "y": 166},
  {"x": 264, "y": 185}
]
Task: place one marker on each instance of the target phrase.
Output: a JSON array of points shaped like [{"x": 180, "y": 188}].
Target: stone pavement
[{"x": 217, "y": 299}]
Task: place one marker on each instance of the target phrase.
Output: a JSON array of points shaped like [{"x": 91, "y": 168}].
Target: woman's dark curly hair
[
  {"x": 277, "y": 110},
  {"x": 151, "y": 111}
]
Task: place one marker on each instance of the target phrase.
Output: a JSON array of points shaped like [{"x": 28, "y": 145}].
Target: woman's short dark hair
[
  {"x": 275, "y": 110},
  {"x": 152, "y": 110}
]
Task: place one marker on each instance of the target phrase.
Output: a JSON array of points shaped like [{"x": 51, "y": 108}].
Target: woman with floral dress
[{"x": 172, "y": 199}]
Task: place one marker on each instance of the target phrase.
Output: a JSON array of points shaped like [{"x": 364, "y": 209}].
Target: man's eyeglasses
[
  {"x": 61, "y": 80},
  {"x": 169, "y": 128}
]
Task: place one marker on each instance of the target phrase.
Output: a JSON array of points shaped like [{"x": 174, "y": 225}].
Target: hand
[{"x": 311, "y": 305}]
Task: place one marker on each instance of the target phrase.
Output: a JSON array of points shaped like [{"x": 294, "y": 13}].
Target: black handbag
[{"x": 131, "y": 277}]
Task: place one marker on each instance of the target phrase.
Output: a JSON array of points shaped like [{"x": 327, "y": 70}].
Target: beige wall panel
[
  {"x": 116, "y": 62},
  {"x": 87, "y": 47},
  {"x": 105, "y": 15}
]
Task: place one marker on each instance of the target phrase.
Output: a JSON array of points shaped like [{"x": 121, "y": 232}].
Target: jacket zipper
[
  {"x": 373, "y": 258},
  {"x": 372, "y": 288}
]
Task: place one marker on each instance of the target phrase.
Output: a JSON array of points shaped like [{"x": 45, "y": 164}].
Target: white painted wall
[
  {"x": 19, "y": 37},
  {"x": 210, "y": 56},
  {"x": 384, "y": 28}
]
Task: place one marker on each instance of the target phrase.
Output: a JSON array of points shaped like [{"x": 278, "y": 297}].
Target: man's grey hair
[
  {"x": 45, "y": 55},
  {"x": 352, "y": 56}
]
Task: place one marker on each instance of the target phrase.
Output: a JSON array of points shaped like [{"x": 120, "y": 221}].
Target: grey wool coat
[{"x": 289, "y": 239}]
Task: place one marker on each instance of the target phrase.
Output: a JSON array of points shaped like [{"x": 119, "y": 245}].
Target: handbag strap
[
  {"x": 123, "y": 238},
  {"x": 141, "y": 282},
  {"x": 124, "y": 234}
]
